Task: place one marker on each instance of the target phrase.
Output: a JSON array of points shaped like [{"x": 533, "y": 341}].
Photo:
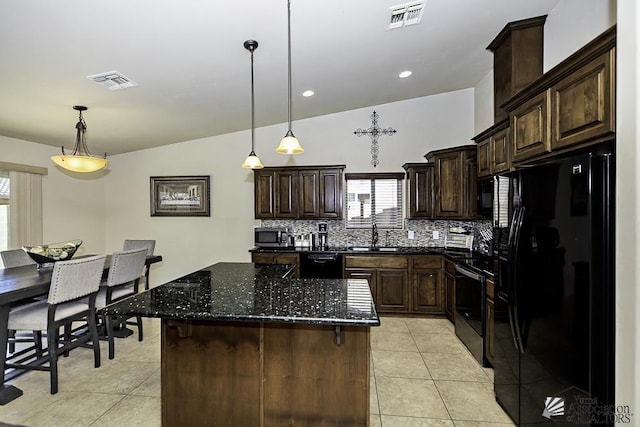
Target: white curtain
[{"x": 25, "y": 209}]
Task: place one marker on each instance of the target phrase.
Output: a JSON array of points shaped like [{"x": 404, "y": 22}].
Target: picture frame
[{"x": 180, "y": 195}]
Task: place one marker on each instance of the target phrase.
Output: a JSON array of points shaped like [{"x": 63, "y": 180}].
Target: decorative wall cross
[{"x": 374, "y": 132}]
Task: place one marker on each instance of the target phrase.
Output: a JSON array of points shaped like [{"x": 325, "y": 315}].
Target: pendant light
[
  {"x": 252, "y": 161},
  {"x": 289, "y": 144},
  {"x": 80, "y": 160}
]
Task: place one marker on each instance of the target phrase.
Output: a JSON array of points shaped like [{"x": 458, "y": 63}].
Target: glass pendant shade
[
  {"x": 289, "y": 145},
  {"x": 80, "y": 160},
  {"x": 252, "y": 162}
]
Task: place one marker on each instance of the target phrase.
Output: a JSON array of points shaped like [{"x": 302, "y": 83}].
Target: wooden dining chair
[
  {"x": 149, "y": 245},
  {"x": 72, "y": 296},
  {"x": 122, "y": 282}
]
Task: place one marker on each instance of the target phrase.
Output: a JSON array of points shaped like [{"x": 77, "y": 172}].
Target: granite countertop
[{"x": 248, "y": 292}]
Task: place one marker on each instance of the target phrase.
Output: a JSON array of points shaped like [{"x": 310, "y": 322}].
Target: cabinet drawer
[
  {"x": 449, "y": 267},
  {"x": 259, "y": 258},
  {"x": 427, "y": 261},
  {"x": 373, "y": 261},
  {"x": 530, "y": 128},
  {"x": 490, "y": 289}
]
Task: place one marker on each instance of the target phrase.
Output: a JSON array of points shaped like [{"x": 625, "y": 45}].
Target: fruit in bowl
[{"x": 52, "y": 252}]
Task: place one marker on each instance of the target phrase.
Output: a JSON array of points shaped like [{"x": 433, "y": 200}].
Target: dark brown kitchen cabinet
[
  {"x": 530, "y": 133},
  {"x": 304, "y": 192},
  {"x": 428, "y": 293},
  {"x": 449, "y": 289},
  {"x": 388, "y": 279},
  {"x": 277, "y": 258},
  {"x": 420, "y": 190},
  {"x": 489, "y": 342},
  {"x": 493, "y": 150},
  {"x": 454, "y": 182}
]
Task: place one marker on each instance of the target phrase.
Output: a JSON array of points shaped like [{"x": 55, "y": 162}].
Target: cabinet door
[
  {"x": 289, "y": 259},
  {"x": 584, "y": 104},
  {"x": 263, "y": 190},
  {"x": 449, "y": 194},
  {"x": 393, "y": 290},
  {"x": 262, "y": 258},
  {"x": 330, "y": 193},
  {"x": 484, "y": 158},
  {"x": 530, "y": 128},
  {"x": 450, "y": 292},
  {"x": 470, "y": 188},
  {"x": 500, "y": 157},
  {"x": 309, "y": 194},
  {"x": 427, "y": 291},
  {"x": 286, "y": 194},
  {"x": 369, "y": 274},
  {"x": 420, "y": 191}
]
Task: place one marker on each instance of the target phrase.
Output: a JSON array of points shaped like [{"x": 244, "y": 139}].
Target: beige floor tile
[
  {"x": 429, "y": 326},
  {"x": 73, "y": 409},
  {"x": 471, "y": 401},
  {"x": 391, "y": 324},
  {"x": 454, "y": 366},
  {"x": 410, "y": 397},
  {"x": 114, "y": 376},
  {"x": 374, "y": 407},
  {"x": 404, "y": 364},
  {"x": 398, "y": 341},
  {"x": 395, "y": 421},
  {"x": 374, "y": 420},
  {"x": 151, "y": 387},
  {"x": 146, "y": 351},
  {"x": 142, "y": 411},
  {"x": 439, "y": 343},
  {"x": 35, "y": 388}
]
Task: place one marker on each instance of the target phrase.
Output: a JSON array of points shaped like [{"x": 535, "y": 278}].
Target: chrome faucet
[{"x": 374, "y": 235}]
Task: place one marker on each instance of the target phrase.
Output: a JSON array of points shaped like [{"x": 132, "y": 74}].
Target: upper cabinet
[
  {"x": 420, "y": 201},
  {"x": 517, "y": 60},
  {"x": 454, "y": 182},
  {"x": 494, "y": 150},
  {"x": 305, "y": 192}
]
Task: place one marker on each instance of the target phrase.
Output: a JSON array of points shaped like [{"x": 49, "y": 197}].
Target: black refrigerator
[{"x": 555, "y": 312}]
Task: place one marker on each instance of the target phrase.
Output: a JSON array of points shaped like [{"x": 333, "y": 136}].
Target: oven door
[{"x": 469, "y": 313}]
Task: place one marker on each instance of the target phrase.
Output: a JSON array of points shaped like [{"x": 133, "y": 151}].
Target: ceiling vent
[
  {"x": 113, "y": 80},
  {"x": 406, "y": 14}
]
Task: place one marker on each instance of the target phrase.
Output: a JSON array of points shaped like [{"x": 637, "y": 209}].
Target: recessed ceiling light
[
  {"x": 308, "y": 93},
  {"x": 405, "y": 74}
]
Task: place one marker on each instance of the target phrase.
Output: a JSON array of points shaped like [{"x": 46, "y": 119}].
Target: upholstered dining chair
[
  {"x": 15, "y": 258},
  {"x": 72, "y": 296},
  {"x": 149, "y": 245},
  {"x": 122, "y": 282}
]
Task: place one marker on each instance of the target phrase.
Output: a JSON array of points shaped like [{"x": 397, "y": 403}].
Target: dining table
[{"x": 21, "y": 285}]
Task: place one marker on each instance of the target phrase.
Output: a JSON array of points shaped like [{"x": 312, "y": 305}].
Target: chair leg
[
  {"x": 95, "y": 339},
  {"x": 12, "y": 344},
  {"x": 139, "y": 320},
  {"x": 109, "y": 324},
  {"x": 67, "y": 337},
  {"x": 52, "y": 342},
  {"x": 37, "y": 340}
]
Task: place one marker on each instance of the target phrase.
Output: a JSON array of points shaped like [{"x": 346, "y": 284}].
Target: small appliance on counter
[
  {"x": 323, "y": 239},
  {"x": 271, "y": 237},
  {"x": 458, "y": 238}
]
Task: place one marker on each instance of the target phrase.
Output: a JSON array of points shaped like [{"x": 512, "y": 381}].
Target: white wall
[
  {"x": 422, "y": 124},
  {"x": 72, "y": 203},
  {"x": 483, "y": 113}
]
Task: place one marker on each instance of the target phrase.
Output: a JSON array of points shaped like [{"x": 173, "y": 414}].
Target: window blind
[{"x": 374, "y": 198}]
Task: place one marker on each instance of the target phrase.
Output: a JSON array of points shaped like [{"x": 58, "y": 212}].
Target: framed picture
[{"x": 180, "y": 196}]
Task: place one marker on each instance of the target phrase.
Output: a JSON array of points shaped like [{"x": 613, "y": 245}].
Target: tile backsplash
[{"x": 339, "y": 235}]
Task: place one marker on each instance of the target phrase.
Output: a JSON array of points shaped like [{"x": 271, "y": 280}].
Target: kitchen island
[{"x": 245, "y": 345}]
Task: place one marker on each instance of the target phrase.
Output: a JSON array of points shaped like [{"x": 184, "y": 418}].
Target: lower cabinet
[
  {"x": 277, "y": 258},
  {"x": 388, "y": 278},
  {"x": 449, "y": 289},
  {"x": 428, "y": 293},
  {"x": 489, "y": 342}
]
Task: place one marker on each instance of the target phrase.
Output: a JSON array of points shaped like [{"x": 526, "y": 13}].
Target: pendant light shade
[
  {"x": 289, "y": 144},
  {"x": 80, "y": 160},
  {"x": 252, "y": 161}
]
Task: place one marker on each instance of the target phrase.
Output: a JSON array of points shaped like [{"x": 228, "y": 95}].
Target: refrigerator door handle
[{"x": 514, "y": 249}]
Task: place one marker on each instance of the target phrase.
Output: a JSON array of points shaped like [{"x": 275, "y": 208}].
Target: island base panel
[{"x": 231, "y": 373}]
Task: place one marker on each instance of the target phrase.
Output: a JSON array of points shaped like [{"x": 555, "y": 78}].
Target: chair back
[
  {"x": 149, "y": 245},
  {"x": 15, "y": 258},
  {"x": 74, "y": 279},
  {"x": 126, "y": 266}
]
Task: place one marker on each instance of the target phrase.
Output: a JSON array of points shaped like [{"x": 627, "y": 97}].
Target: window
[
  {"x": 4, "y": 210},
  {"x": 374, "y": 198}
]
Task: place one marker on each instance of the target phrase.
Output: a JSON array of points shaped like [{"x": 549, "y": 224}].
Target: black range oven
[{"x": 470, "y": 309}]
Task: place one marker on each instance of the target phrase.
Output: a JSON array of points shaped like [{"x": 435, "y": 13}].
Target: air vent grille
[
  {"x": 406, "y": 14},
  {"x": 113, "y": 80}
]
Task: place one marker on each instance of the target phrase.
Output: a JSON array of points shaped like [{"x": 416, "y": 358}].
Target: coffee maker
[{"x": 323, "y": 241}]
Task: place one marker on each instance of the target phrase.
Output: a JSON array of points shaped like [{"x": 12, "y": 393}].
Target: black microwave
[
  {"x": 485, "y": 198},
  {"x": 271, "y": 237}
]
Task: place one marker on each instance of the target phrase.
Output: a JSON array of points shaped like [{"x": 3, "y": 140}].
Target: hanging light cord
[
  {"x": 289, "y": 59},
  {"x": 252, "y": 105}
]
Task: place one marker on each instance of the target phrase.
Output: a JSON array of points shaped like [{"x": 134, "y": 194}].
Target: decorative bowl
[{"x": 48, "y": 254}]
